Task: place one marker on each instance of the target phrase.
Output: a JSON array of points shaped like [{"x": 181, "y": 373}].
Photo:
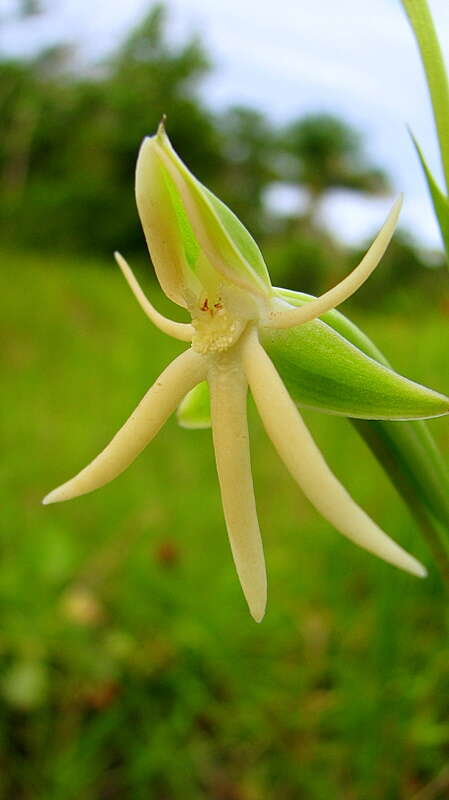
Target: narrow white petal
[
  {"x": 300, "y": 454},
  {"x": 228, "y": 388},
  {"x": 160, "y": 401},
  {"x": 347, "y": 287},
  {"x": 178, "y": 330}
]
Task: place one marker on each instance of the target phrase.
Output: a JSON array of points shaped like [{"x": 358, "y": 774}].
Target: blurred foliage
[
  {"x": 69, "y": 140},
  {"x": 129, "y": 666},
  {"x": 21, "y": 9},
  {"x": 68, "y": 147},
  {"x": 326, "y": 153}
]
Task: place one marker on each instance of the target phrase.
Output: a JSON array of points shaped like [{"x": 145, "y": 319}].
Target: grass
[{"x": 129, "y": 665}]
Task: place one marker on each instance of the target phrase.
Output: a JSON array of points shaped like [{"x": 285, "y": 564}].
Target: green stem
[
  {"x": 421, "y": 21},
  {"x": 434, "y": 543},
  {"x": 399, "y": 478}
]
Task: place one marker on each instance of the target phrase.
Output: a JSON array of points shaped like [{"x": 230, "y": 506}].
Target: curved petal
[
  {"x": 344, "y": 289},
  {"x": 156, "y": 406},
  {"x": 300, "y": 454},
  {"x": 228, "y": 389},
  {"x": 178, "y": 330}
]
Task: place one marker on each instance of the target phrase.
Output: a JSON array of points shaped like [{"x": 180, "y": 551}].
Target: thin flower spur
[{"x": 207, "y": 262}]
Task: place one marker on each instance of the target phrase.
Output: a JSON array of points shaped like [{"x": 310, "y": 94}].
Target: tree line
[{"x": 69, "y": 139}]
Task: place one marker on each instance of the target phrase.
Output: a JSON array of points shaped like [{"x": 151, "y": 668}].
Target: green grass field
[{"x": 129, "y": 665}]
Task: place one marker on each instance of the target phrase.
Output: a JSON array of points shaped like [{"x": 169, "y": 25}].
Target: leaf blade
[
  {"x": 439, "y": 200},
  {"x": 421, "y": 21}
]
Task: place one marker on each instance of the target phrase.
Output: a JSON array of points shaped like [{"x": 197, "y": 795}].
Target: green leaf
[
  {"x": 410, "y": 457},
  {"x": 421, "y": 21},
  {"x": 439, "y": 200}
]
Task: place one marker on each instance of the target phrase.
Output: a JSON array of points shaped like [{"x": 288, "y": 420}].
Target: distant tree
[
  {"x": 323, "y": 153},
  {"x": 68, "y": 142},
  {"x": 29, "y": 8},
  {"x": 249, "y": 148},
  {"x": 403, "y": 267},
  {"x": 147, "y": 78},
  {"x": 21, "y": 9}
]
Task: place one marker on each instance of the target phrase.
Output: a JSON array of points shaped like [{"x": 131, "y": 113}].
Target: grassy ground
[{"x": 129, "y": 666}]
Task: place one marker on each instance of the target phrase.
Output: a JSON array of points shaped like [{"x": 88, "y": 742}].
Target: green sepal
[
  {"x": 226, "y": 243},
  {"x": 439, "y": 199},
  {"x": 324, "y": 371},
  {"x": 194, "y": 411}
]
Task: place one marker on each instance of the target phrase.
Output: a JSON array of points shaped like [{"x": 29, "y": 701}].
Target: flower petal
[
  {"x": 230, "y": 433},
  {"x": 409, "y": 447},
  {"x": 143, "y": 424},
  {"x": 300, "y": 454},
  {"x": 325, "y": 371},
  {"x": 178, "y": 330},
  {"x": 287, "y": 318}
]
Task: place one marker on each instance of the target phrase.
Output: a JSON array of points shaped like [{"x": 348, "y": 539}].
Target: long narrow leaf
[
  {"x": 421, "y": 21},
  {"x": 439, "y": 200}
]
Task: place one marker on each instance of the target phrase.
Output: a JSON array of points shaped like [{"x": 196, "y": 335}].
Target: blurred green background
[{"x": 129, "y": 665}]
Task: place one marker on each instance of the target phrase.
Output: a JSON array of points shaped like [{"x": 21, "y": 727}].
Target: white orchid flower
[{"x": 208, "y": 263}]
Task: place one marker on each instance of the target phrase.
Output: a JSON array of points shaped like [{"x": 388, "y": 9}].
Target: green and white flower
[{"x": 246, "y": 333}]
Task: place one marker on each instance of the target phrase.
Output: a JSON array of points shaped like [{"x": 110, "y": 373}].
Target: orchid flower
[{"x": 207, "y": 263}]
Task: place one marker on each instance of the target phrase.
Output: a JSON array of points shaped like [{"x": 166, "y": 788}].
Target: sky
[{"x": 287, "y": 58}]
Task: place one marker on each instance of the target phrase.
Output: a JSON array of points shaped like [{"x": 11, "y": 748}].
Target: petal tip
[
  {"x": 48, "y": 499},
  {"x": 257, "y": 610},
  {"x": 421, "y": 571},
  {"x": 56, "y": 496},
  {"x": 414, "y": 567}
]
